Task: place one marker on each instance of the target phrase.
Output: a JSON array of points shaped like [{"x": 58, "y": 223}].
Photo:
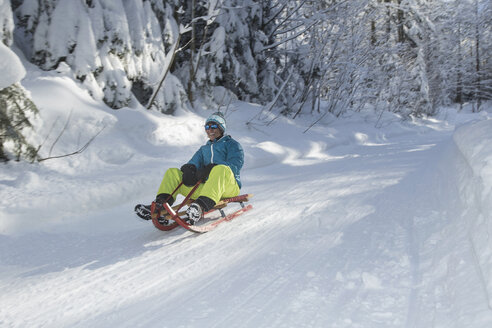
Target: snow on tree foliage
[
  {"x": 297, "y": 56},
  {"x": 15, "y": 106},
  {"x": 15, "y": 109},
  {"x": 115, "y": 48}
]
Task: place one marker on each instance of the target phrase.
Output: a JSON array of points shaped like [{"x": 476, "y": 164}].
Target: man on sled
[{"x": 211, "y": 175}]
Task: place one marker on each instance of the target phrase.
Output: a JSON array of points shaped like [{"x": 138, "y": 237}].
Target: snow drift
[{"x": 474, "y": 141}]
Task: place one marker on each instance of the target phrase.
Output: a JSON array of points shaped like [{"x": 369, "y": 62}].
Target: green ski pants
[{"x": 220, "y": 184}]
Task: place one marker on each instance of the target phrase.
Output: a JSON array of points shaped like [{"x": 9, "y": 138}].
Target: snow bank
[
  {"x": 11, "y": 68},
  {"x": 474, "y": 141},
  {"x": 109, "y": 172}
]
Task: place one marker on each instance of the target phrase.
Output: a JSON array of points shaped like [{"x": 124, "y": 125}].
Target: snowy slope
[{"x": 353, "y": 226}]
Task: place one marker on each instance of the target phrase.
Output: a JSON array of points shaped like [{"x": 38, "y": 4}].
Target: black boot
[
  {"x": 159, "y": 207},
  {"x": 143, "y": 211},
  {"x": 205, "y": 203},
  {"x": 198, "y": 208},
  {"x": 164, "y": 198}
]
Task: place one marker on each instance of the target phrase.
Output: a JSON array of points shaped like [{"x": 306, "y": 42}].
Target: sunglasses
[{"x": 211, "y": 126}]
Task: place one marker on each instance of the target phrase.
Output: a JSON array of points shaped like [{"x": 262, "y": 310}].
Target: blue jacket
[{"x": 225, "y": 151}]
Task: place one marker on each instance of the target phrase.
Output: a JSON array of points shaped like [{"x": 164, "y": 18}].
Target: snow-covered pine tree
[
  {"x": 220, "y": 48},
  {"x": 344, "y": 81},
  {"x": 398, "y": 69},
  {"x": 452, "y": 31},
  {"x": 168, "y": 91},
  {"x": 15, "y": 105},
  {"x": 287, "y": 53},
  {"x": 412, "y": 33},
  {"x": 114, "y": 47},
  {"x": 234, "y": 42}
]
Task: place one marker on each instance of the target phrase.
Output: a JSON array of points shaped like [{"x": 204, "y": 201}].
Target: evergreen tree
[
  {"x": 114, "y": 47},
  {"x": 15, "y": 108}
]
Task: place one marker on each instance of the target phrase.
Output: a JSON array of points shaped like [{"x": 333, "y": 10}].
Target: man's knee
[{"x": 221, "y": 169}]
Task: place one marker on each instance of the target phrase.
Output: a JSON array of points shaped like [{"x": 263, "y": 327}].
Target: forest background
[{"x": 294, "y": 57}]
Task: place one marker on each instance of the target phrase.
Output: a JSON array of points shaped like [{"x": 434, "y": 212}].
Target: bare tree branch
[
  {"x": 61, "y": 133},
  {"x": 167, "y": 68},
  {"x": 82, "y": 149},
  {"x": 274, "y": 101}
]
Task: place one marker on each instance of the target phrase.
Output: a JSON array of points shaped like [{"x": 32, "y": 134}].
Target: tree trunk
[
  {"x": 459, "y": 77},
  {"x": 192, "y": 53},
  {"x": 400, "y": 21},
  {"x": 478, "y": 82}
]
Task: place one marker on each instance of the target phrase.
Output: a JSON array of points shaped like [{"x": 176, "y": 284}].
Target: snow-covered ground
[{"x": 353, "y": 225}]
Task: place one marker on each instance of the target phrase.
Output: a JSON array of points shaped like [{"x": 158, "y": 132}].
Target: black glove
[
  {"x": 189, "y": 175},
  {"x": 203, "y": 173}
]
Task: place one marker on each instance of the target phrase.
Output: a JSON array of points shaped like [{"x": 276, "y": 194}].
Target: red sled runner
[{"x": 174, "y": 215}]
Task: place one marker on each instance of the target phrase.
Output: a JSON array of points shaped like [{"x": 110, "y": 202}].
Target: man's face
[{"x": 213, "y": 131}]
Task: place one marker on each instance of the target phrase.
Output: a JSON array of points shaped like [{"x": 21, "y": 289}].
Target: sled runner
[
  {"x": 206, "y": 224},
  {"x": 170, "y": 218}
]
